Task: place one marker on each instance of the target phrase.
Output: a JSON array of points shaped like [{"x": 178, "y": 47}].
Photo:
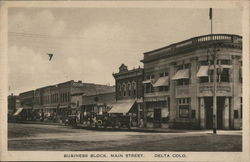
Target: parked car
[
  {"x": 113, "y": 120},
  {"x": 71, "y": 120}
]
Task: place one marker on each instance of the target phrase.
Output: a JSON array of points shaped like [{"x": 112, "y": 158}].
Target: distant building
[
  {"x": 129, "y": 92},
  {"x": 97, "y": 104},
  {"x": 55, "y": 101},
  {"x": 13, "y": 104},
  {"x": 178, "y": 83}
]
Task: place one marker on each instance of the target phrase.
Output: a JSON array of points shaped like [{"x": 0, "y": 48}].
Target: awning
[
  {"x": 181, "y": 74},
  {"x": 122, "y": 107},
  {"x": 203, "y": 71},
  {"x": 162, "y": 81},
  {"x": 19, "y": 110},
  {"x": 146, "y": 81},
  {"x": 221, "y": 66}
]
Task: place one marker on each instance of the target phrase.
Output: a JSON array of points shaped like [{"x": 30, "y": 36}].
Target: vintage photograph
[{"x": 125, "y": 79}]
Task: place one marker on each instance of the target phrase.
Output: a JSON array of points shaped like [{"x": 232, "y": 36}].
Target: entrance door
[
  {"x": 209, "y": 112},
  {"x": 220, "y": 106},
  {"x": 157, "y": 118}
]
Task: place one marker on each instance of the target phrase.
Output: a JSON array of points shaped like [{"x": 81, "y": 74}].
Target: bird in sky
[{"x": 50, "y": 56}]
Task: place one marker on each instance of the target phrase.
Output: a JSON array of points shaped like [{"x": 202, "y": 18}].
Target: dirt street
[{"x": 33, "y": 137}]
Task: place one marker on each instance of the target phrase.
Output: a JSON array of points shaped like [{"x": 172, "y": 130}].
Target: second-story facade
[{"x": 129, "y": 89}]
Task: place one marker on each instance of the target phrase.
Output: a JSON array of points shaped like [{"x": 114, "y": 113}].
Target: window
[
  {"x": 161, "y": 74},
  {"x": 183, "y": 105},
  {"x": 149, "y": 88},
  {"x": 166, "y": 74},
  {"x": 163, "y": 88},
  {"x": 236, "y": 115},
  {"x": 225, "y": 75},
  {"x": 147, "y": 77},
  {"x": 134, "y": 88},
  {"x": 119, "y": 90},
  {"x": 225, "y": 62},
  {"x": 182, "y": 82},
  {"x": 129, "y": 89},
  {"x": 124, "y": 89},
  {"x": 77, "y": 104},
  {"x": 204, "y": 79}
]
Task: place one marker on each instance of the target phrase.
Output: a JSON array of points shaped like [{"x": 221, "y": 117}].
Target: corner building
[{"x": 178, "y": 83}]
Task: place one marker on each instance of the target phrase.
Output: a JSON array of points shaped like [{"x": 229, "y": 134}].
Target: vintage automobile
[
  {"x": 113, "y": 120},
  {"x": 71, "y": 120}
]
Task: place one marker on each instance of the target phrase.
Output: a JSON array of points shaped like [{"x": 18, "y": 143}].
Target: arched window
[
  {"x": 119, "y": 88},
  {"x": 129, "y": 88},
  {"x": 134, "y": 87},
  {"x": 124, "y": 89}
]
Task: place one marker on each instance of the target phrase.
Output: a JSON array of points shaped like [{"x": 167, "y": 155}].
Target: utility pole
[
  {"x": 214, "y": 76},
  {"x": 214, "y": 92}
]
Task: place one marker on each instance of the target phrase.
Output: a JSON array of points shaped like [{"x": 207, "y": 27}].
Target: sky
[{"x": 89, "y": 44}]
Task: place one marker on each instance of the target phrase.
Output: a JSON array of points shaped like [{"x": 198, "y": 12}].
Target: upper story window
[
  {"x": 119, "y": 89},
  {"x": 224, "y": 76},
  {"x": 182, "y": 76},
  {"x": 129, "y": 89},
  {"x": 224, "y": 62},
  {"x": 134, "y": 87},
  {"x": 124, "y": 89}
]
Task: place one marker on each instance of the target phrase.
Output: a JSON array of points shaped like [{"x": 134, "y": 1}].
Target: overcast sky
[{"x": 89, "y": 44}]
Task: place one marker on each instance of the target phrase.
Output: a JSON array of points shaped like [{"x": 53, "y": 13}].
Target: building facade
[
  {"x": 178, "y": 83},
  {"x": 129, "y": 89},
  {"x": 13, "y": 104}
]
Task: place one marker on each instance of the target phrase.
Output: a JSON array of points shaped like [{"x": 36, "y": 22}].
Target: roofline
[{"x": 193, "y": 38}]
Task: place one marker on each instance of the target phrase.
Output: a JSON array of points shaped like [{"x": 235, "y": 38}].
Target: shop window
[
  {"x": 236, "y": 115},
  {"x": 150, "y": 116},
  {"x": 184, "y": 105},
  {"x": 184, "y": 111},
  {"x": 225, "y": 75}
]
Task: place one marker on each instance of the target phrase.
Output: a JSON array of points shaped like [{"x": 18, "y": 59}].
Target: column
[
  {"x": 202, "y": 114},
  {"x": 226, "y": 114}
]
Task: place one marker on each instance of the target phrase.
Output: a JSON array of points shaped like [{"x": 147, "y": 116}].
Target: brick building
[
  {"x": 178, "y": 83},
  {"x": 129, "y": 92},
  {"x": 54, "y": 102}
]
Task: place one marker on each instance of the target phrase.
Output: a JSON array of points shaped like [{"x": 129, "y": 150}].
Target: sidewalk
[{"x": 137, "y": 129}]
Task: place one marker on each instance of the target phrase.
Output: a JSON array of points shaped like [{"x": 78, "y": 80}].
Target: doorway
[
  {"x": 157, "y": 118},
  {"x": 209, "y": 112}
]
